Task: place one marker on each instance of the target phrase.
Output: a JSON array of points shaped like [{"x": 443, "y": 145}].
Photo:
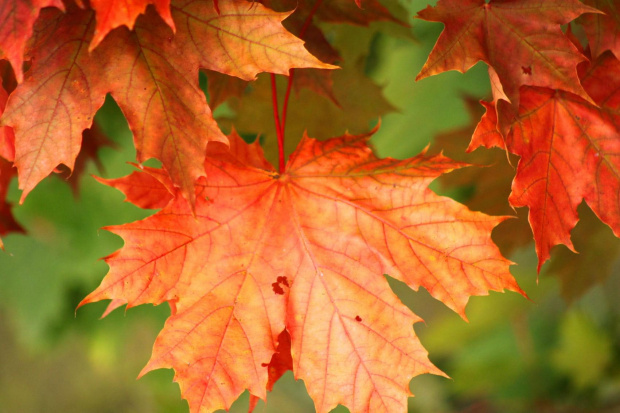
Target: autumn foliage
[{"x": 274, "y": 268}]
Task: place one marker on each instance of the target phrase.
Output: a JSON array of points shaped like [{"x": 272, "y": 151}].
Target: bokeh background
[{"x": 556, "y": 352}]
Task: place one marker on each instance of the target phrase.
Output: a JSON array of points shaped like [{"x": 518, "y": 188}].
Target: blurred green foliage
[{"x": 514, "y": 355}]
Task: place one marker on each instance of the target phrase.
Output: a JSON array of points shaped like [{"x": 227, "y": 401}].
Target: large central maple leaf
[{"x": 303, "y": 251}]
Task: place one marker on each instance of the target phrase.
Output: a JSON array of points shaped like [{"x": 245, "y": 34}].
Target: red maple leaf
[
  {"x": 153, "y": 76},
  {"x": 603, "y": 30},
  {"x": 527, "y": 31},
  {"x": 303, "y": 252},
  {"x": 569, "y": 152},
  {"x": 16, "y": 20}
]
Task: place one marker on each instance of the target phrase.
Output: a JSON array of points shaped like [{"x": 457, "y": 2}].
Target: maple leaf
[
  {"x": 165, "y": 110},
  {"x": 603, "y": 30},
  {"x": 540, "y": 54},
  {"x": 115, "y": 13},
  {"x": 16, "y": 20},
  {"x": 240, "y": 40},
  {"x": 153, "y": 77},
  {"x": 569, "y": 152},
  {"x": 303, "y": 252},
  {"x": 222, "y": 87}
]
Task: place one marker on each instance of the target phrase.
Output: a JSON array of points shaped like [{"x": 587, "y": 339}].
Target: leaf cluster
[{"x": 268, "y": 269}]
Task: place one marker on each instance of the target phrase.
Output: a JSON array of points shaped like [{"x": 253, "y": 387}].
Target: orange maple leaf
[
  {"x": 527, "y": 30},
  {"x": 303, "y": 252},
  {"x": 569, "y": 152},
  {"x": 240, "y": 40},
  {"x": 153, "y": 76}
]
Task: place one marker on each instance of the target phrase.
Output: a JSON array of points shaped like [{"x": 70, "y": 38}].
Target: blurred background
[{"x": 557, "y": 352}]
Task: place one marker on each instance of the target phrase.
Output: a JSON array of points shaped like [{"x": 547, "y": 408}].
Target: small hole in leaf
[{"x": 358, "y": 319}]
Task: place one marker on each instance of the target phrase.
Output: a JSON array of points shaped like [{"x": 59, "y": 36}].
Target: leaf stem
[{"x": 279, "y": 128}]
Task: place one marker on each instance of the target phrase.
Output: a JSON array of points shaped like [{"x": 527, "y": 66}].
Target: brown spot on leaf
[
  {"x": 277, "y": 289},
  {"x": 527, "y": 70},
  {"x": 280, "y": 282},
  {"x": 358, "y": 319}
]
